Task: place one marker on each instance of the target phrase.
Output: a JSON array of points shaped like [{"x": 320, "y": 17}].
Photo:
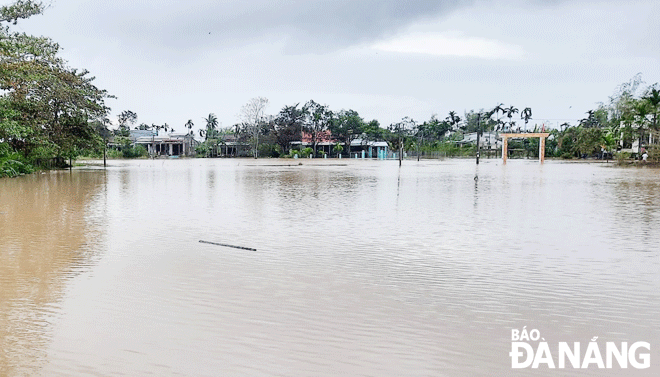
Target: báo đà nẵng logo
[{"x": 530, "y": 350}]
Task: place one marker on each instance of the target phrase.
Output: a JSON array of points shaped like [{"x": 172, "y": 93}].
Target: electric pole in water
[
  {"x": 478, "y": 131},
  {"x": 400, "y": 149}
]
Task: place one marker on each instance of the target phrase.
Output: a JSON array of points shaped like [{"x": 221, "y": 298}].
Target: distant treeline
[{"x": 51, "y": 113}]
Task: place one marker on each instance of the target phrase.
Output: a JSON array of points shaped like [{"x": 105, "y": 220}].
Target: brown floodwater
[{"x": 361, "y": 268}]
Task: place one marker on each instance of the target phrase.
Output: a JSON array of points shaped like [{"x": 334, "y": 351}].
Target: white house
[
  {"x": 487, "y": 140},
  {"x": 173, "y": 144}
]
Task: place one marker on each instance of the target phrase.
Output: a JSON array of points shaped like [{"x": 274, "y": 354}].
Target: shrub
[
  {"x": 134, "y": 151},
  {"x": 269, "y": 150},
  {"x": 12, "y": 163},
  {"x": 293, "y": 152},
  {"x": 622, "y": 157},
  {"x": 566, "y": 155},
  {"x": 113, "y": 153},
  {"x": 306, "y": 152}
]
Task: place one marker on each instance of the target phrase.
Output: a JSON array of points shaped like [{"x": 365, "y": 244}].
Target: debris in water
[{"x": 225, "y": 245}]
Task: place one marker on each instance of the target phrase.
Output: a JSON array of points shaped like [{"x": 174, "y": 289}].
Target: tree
[
  {"x": 21, "y": 9},
  {"x": 509, "y": 111},
  {"x": 372, "y": 131},
  {"x": 641, "y": 111},
  {"x": 253, "y": 116},
  {"x": 126, "y": 119},
  {"x": 211, "y": 127},
  {"x": 589, "y": 141},
  {"x": 652, "y": 97},
  {"x": 102, "y": 128},
  {"x": 346, "y": 125},
  {"x": 474, "y": 121},
  {"x": 595, "y": 118},
  {"x": 317, "y": 120},
  {"x": 337, "y": 149},
  {"x": 288, "y": 124},
  {"x": 497, "y": 110},
  {"x": 189, "y": 125},
  {"x": 55, "y": 103},
  {"x": 453, "y": 119},
  {"x": 437, "y": 129},
  {"x": 621, "y": 101},
  {"x": 526, "y": 115},
  {"x": 399, "y": 133}
]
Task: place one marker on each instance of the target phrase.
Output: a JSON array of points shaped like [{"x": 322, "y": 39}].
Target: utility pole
[
  {"x": 400, "y": 148},
  {"x": 478, "y": 130}
]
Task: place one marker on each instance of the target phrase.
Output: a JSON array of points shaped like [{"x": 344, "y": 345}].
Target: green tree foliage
[
  {"x": 126, "y": 119},
  {"x": 526, "y": 115},
  {"x": 45, "y": 104},
  {"x": 347, "y": 125},
  {"x": 652, "y": 98},
  {"x": 435, "y": 130},
  {"x": 317, "y": 120},
  {"x": 372, "y": 131},
  {"x": 288, "y": 125},
  {"x": 400, "y": 133},
  {"x": 211, "y": 131},
  {"x": 453, "y": 119},
  {"x": 510, "y": 111}
]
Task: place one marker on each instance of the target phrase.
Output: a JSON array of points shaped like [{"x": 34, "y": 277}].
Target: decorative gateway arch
[{"x": 540, "y": 135}]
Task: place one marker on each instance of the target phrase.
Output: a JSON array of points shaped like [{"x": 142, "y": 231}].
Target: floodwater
[{"x": 361, "y": 268}]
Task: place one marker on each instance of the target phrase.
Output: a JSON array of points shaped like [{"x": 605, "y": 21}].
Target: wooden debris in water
[{"x": 226, "y": 245}]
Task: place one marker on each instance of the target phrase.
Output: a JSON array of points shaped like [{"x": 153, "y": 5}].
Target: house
[
  {"x": 173, "y": 144},
  {"x": 487, "y": 140},
  {"x": 326, "y": 142},
  {"x": 369, "y": 149}
]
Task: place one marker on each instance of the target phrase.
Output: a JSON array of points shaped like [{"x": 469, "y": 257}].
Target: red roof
[{"x": 322, "y": 137}]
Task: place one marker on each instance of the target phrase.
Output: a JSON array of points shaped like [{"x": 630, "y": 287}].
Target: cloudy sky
[{"x": 170, "y": 61}]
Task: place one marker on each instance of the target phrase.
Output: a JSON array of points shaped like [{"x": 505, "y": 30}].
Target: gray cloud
[
  {"x": 307, "y": 26},
  {"x": 158, "y": 57}
]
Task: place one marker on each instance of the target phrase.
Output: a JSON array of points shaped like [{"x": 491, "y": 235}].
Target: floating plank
[{"x": 226, "y": 245}]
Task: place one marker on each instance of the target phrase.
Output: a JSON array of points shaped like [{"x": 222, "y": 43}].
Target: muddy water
[{"x": 360, "y": 268}]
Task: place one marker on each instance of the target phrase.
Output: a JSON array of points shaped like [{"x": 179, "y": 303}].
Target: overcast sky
[{"x": 170, "y": 61}]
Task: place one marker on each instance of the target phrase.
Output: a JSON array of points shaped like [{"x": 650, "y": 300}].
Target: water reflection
[{"x": 50, "y": 228}]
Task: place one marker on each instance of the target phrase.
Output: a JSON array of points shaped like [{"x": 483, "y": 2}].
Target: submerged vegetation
[{"x": 51, "y": 113}]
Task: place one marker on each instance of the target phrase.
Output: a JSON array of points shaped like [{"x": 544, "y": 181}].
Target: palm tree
[
  {"x": 509, "y": 114},
  {"x": 526, "y": 115},
  {"x": 500, "y": 125},
  {"x": 642, "y": 111},
  {"x": 590, "y": 120},
  {"x": 189, "y": 125},
  {"x": 453, "y": 119},
  {"x": 653, "y": 99},
  {"x": 211, "y": 125},
  {"x": 499, "y": 108}
]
